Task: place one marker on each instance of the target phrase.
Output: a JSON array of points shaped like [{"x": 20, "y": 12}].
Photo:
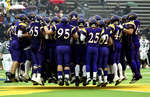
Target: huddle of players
[{"x": 81, "y": 50}]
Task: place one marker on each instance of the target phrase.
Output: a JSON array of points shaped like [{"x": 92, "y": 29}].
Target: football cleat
[
  {"x": 77, "y": 81},
  {"x": 84, "y": 81},
  {"x": 104, "y": 84},
  {"x": 121, "y": 78},
  {"x": 12, "y": 77},
  {"x": 135, "y": 79},
  {"x": 60, "y": 82},
  {"x": 54, "y": 80},
  {"x": 116, "y": 78},
  {"x": 100, "y": 84},
  {"x": 88, "y": 81},
  {"x": 66, "y": 81},
  {"x": 34, "y": 83},
  {"x": 118, "y": 82},
  {"x": 7, "y": 79},
  {"x": 39, "y": 79},
  {"x": 33, "y": 79},
  {"x": 50, "y": 80},
  {"x": 94, "y": 82},
  {"x": 73, "y": 80},
  {"x": 25, "y": 78}
]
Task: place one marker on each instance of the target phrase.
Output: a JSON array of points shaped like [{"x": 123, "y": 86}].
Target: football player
[
  {"x": 105, "y": 41},
  {"x": 92, "y": 35},
  {"x": 6, "y": 58},
  {"x": 132, "y": 29},
  {"x": 26, "y": 50},
  {"x": 80, "y": 49},
  {"x": 73, "y": 20},
  {"x": 124, "y": 42},
  {"x": 37, "y": 49},
  {"x": 144, "y": 47},
  {"x": 19, "y": 31},
  {"x": 116, "y": 36},
  {"x": 51, "y": 48},
  {"x": 63, "y": 32}
]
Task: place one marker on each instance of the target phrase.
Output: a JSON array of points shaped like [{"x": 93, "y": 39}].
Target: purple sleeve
[
  {"x": 54, "y": 28},
  {"x": 73, "y": 30}
]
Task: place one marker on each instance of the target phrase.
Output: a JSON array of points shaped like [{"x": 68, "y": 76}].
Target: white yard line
[{"x": 132, "y": 91}]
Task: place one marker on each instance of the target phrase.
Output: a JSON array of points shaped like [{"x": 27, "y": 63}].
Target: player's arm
[
  {"x": 82, "y": 34},
  {"x": 8, "y": 31},
  {"x": 129, "y": 31},
  {"x": 21, "y": 34},
  {"x": 74, "y": 33},
  {"x": 110, "y": 41},
  {"x": 111, "y": 27},
  {"x": 129, "y": 28},
  {"x": 26, "y": 35},
  {"x": 51, "y": 30}
]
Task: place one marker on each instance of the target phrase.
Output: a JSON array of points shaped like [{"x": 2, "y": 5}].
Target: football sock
[
  {"x": 27, "y": 66},
  {"x": 88, "y": 75},
  {"x": 77, "y": 70},
  {"x": 105, "y": 79},
  {"x": 120, "y": 70},
  {"x": 66, "y": 74},
  {"x": 84, "y": 70},
  {"x": 94, "y": 75},
  {"x": 115, "y": 68},
  {"x": 59, "y": 74},
  {"x": 100, "y": 79}
]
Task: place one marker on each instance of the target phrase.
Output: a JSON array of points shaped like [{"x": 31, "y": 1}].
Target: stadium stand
[{"x": 94, "y": 7}]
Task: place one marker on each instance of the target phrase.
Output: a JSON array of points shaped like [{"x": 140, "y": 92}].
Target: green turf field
[{"x": 139, "y": 89}]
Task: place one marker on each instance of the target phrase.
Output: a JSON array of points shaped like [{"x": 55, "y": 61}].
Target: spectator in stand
[
  {"x": 2, "y": 31},
  {"x": 49, "y": 13},
  {"x": 117, "y": 9},
  {"x": 38, "y": 2},
  {"x": 61, "y": 13},
  {"x": 146, "y": 32},
  {"x": 102, "y": 2},
  {"x": 126, "y": 10},
  {"x": 56, "y": 10}
]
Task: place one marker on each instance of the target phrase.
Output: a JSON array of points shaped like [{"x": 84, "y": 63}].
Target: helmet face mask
[
  {"x": 93, "y": 25},
  {"x": 116, "y": 22},
  {"x": 92, "y": 22},
  {"x": 81, "y": 25},
  {"x": 73, "y": 16}
]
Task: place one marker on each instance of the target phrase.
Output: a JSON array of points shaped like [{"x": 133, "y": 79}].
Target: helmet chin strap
[
  {"x": 93, "y": 25},
  {"x": 81, "y": 24}
]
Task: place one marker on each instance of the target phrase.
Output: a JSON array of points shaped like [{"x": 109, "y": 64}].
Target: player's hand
[{"x": 121, "y": 27}]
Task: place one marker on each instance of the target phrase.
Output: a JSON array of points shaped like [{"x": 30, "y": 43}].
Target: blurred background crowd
[
  {"x": 44, "y": 8},
  {"x": 50, "y": 8}
]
